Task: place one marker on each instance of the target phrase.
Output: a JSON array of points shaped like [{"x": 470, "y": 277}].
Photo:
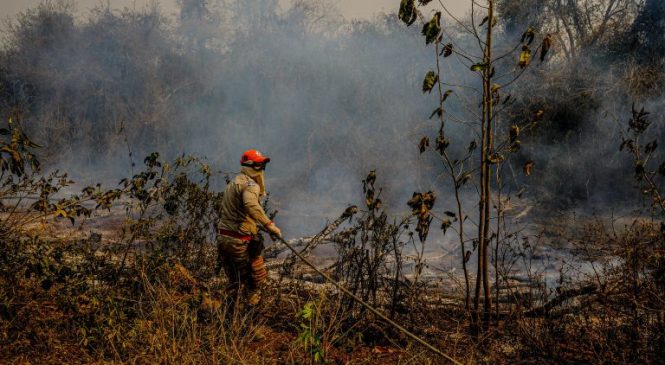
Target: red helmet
[{"x": 253, "y": 157}]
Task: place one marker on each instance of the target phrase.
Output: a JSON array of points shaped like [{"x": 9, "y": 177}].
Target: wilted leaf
[
  {"x": 528, "y": 35},
  {"x": 441, "y": 142},
  {"x": 384, "y": 349},
  {"x": 437, "y": 111},
  {"x": 472, "y": 146},
  {"x": 424, "y": 143},
  {"x": 627, "y": 143},
  {"x": 514, "y": 132},
  {"x": 421, "y": 204},
  {"x": 407, "y": 12},
  {"x": 375, "y": 205},
  {"x": 539, "y": 115},
  {"x": 651, "y": 147},
  {"x": 495, "y": 158},
  {"x": 445, "y": 225},
  {"x": 152, "y": 160},
  {"x": 371, "y": 177},
  {"x": 430, "y": 80},
  {"x": 432, "y": 28},
  {"x": 639, "y": 122},
  {"x": 528, "y": 168},
  {"x": 446, "y": 94},
  {"x": 520, "y": 193},
  {"x": 485, "y": 19},
  {"x": 545, "y": 47},
  {"x": 428, "y": 199},
  {"x": 415, "y": 200},
  {"x": 463, "y": 180},
  {"x": 450, "y": 214},
  {"x": 447, "y": 50},
  {"x": 639, "y": 169}
]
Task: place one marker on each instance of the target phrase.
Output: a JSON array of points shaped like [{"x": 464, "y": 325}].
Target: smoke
[{"x": 326, "y": 98}]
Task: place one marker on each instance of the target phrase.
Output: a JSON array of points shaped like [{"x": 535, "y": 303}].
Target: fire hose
[{"x": 366, "y": 305}]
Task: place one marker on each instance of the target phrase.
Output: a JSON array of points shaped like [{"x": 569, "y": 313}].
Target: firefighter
[{"x": 240, "y": 245}]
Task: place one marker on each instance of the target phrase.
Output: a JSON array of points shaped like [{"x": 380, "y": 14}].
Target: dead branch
[{"x": 562, "y": 297}]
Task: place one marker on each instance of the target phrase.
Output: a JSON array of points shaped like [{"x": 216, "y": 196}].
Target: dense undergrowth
[{"x": 150, "y": 291}]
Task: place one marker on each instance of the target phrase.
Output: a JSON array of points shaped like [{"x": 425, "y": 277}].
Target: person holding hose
[{"x": 239, "y": 244}]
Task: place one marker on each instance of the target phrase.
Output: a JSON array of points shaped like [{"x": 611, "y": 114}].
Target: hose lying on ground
[{"x": 364, "y": 304}]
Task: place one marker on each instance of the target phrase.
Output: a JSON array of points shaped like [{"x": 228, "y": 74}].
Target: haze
[{"x": 351, "y": 9}]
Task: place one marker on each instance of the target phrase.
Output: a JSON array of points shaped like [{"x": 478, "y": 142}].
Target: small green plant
[{"x": 309, "y": 337}]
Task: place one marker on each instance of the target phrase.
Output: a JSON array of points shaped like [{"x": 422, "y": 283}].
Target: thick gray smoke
[{"x": 326, "y": 98}]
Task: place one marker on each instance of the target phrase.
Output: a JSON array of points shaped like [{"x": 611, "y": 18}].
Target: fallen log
[
  {"x": 274, "y": 250},
  {"x": 316, "y": 240},
  {"x": 562, "y": 297}
]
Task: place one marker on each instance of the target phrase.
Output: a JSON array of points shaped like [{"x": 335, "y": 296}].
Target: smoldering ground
[{"x": 327, "y": 98}]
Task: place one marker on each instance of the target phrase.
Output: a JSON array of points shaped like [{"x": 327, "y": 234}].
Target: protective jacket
[{"x": 241, "y": 206}]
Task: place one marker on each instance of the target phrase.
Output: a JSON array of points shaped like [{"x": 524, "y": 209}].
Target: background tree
[{"x": 495, "y": 144}]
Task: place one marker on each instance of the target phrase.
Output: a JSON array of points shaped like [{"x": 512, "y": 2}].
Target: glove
[{"x": 273, "y": 230}]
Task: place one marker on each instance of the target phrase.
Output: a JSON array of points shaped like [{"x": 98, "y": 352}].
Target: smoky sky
[
  {"x": 326, "y": 98},
  {"x": 364, "y": 9}
]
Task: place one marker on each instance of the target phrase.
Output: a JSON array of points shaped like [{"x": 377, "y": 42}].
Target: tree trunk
[
  {"x": 487, "y": 96},
  {"x": 485, "y": 173}
]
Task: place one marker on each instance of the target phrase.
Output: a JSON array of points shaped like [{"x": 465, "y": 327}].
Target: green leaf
[
  {"x": 407, "y": 12},
  {"x": 525, "y": 56},
  {"x": 478, "y": 66},
  {"x": 430, "y": 80},
  {"x": 307, "y": 311},
  {"x": 432, "y": 28}
]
